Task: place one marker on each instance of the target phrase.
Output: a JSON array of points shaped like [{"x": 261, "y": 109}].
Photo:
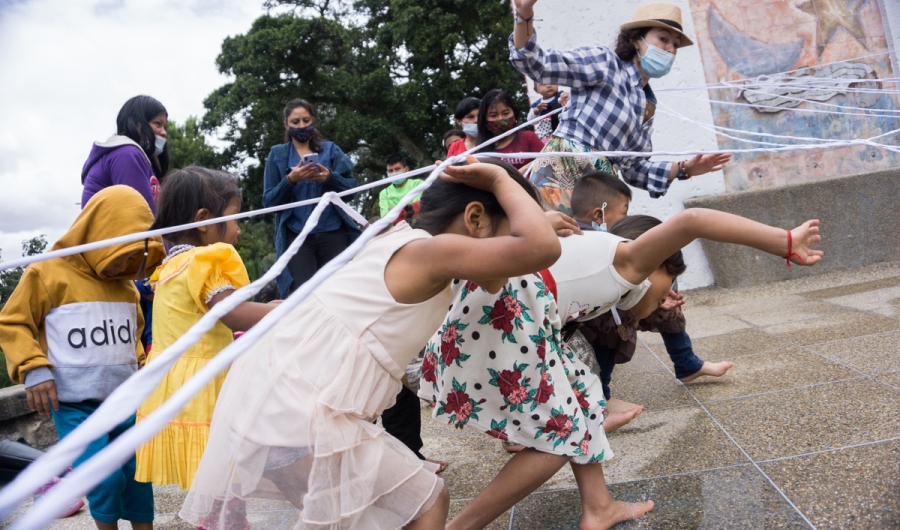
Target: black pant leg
[
  {"x": 330, "y": 244},
  {"x": 403, "y": 421},
  {"x": 303, "y": 265}
]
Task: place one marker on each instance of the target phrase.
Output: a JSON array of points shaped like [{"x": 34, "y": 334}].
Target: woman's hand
[
  {"x": 703, "y": 164},
  {"x": 525, "y": 8},
  {"x": 802, "y": 237},
  {"x": 564, "y": 225},
  {"x": 301, "y": 172},
  {"x": 322, "y": 175}
]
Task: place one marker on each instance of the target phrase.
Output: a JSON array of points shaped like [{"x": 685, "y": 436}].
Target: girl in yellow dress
[{"x": 200, "y": 270}]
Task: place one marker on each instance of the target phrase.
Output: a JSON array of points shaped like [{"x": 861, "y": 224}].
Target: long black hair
[
  {"x": 625, "y": 48},
  {"x": 489, "y": 100},
  {"x": 633, "y": 226},
  {"x": 188, "y": 190},
  {"x": 133, "y": 121},
  {"x": 444, "y": 201},
  {"x": 315, "y": 141},
  {"x": 466, "y": 106}
]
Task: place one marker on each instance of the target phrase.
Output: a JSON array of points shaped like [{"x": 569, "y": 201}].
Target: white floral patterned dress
[{"x": 498, "y": 364}]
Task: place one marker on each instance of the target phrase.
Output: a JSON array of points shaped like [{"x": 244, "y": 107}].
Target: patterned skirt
[
  {"x": 604, "y": 330},
  {"x": 498, "y": 364},
  {"x": 556, "y": 176}
]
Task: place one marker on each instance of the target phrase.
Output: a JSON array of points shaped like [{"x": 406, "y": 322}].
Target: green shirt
[{"x": 391, "y": 195}]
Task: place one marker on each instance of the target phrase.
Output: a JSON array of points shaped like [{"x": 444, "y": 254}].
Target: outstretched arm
[
  {"x": 244, "y": 316},
  {"x": 637, "y": 259}
]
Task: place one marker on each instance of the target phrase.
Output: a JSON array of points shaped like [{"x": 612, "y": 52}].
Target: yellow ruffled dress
[{"x": 185, "y": 283}]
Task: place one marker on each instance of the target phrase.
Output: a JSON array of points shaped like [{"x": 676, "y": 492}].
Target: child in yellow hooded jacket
[{"x": 71, "y": 333}]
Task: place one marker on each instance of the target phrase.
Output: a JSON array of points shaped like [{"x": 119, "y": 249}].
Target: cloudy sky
[{"x": 66, "y": 67}]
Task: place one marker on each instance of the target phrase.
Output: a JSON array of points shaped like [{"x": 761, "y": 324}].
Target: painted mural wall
[
  {"x": 567, "y": 24},
  {"x": 769, "y": 54}
]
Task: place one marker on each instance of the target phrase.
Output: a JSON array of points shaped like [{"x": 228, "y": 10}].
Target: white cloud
[{"x": 67, "y": 67}]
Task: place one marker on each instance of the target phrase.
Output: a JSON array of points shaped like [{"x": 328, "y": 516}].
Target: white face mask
[
  {"x": 471, "y": 129},
  {"x": 159, "y": 144}
]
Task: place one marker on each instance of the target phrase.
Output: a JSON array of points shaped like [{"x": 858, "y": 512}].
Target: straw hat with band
[{"x": 659, "y": 15}]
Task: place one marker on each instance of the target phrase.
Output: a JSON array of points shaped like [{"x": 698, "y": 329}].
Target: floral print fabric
[
  {"x": 555, "y": 177},
  {"x": 498, "y": 364}
]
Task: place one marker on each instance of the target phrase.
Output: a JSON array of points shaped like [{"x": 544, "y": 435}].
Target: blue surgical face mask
[
  {"x": 398, "y": 183},
  {"x": 656, "y": 61},
  {"x": 471, "y": 129},
  {"x": 159, "y": 144}
]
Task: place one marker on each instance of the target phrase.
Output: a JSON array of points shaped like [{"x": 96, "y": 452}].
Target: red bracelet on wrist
[{"x": 790, "y": 250}]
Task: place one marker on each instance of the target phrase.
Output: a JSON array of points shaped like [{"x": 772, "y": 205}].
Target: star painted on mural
[{"x": 832, "y": 14}]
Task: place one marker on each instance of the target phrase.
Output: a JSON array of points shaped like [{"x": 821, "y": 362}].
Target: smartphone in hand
[{"x": 310, "y": 159}]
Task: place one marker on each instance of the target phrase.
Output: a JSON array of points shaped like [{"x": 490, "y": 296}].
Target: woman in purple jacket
[{"x": 135, "y": 156}]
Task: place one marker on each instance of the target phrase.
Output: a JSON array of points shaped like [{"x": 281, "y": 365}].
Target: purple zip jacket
[{"x": 119, "y": 160}]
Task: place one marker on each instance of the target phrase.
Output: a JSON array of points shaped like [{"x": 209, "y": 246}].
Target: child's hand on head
[
  {"x": 477, "y": 175},
  {"x": 563, "y": 224},
  {"x": 802, "y": 237}
]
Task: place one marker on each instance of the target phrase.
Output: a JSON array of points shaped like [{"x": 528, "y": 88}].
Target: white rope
[
  {"x": 811, "y": 102},
  {"x": 665, "y": 109},
  {"x": 120, "y": 404},
  {"x": 811, "y": 84},
  {"x": 789, "y": 109},
  {"x": 134, "y": 391},
  {"x": 27, "y": 260}
]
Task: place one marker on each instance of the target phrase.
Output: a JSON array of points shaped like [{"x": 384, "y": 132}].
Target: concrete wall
[
  {"x": 572, "y": 23},
  {"x": 859, "y": 219},
  {"x": 16, "y": 421}
]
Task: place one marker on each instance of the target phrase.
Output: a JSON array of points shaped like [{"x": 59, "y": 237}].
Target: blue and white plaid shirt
[{"x": 606, "y": 106}]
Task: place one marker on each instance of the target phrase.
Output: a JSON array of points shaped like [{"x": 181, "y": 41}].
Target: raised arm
[
  {"x": 636, "y": 260},
  {"x": 531, "y": 244},
  {"x": 574, "y": 68}
]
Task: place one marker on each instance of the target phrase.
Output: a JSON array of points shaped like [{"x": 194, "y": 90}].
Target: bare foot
[
  {"x": 617, "y": 405},
  {"x": 618, "y": 512},
  {"x": 614, "y": 420},
  {"x": 713, "y": 369}
]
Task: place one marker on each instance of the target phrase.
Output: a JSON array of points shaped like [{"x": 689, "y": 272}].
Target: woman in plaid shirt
[{"x": 612, "y": 104}]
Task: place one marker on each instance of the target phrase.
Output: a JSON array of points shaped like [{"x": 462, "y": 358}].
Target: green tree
[
  {"x": 9, "y": 279},
  {"x": 188, "y": 145},
  {"x": 385, "y": 76}
]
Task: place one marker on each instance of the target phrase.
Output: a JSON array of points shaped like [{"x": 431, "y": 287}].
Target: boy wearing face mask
[
  {"x": 612, "y": 104},
  {"x": 391, "y": 194},
  {"x": 598, "y": 201}
]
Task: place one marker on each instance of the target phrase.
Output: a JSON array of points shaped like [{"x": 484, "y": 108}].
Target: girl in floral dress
[{"x": 499, "y": 363}]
